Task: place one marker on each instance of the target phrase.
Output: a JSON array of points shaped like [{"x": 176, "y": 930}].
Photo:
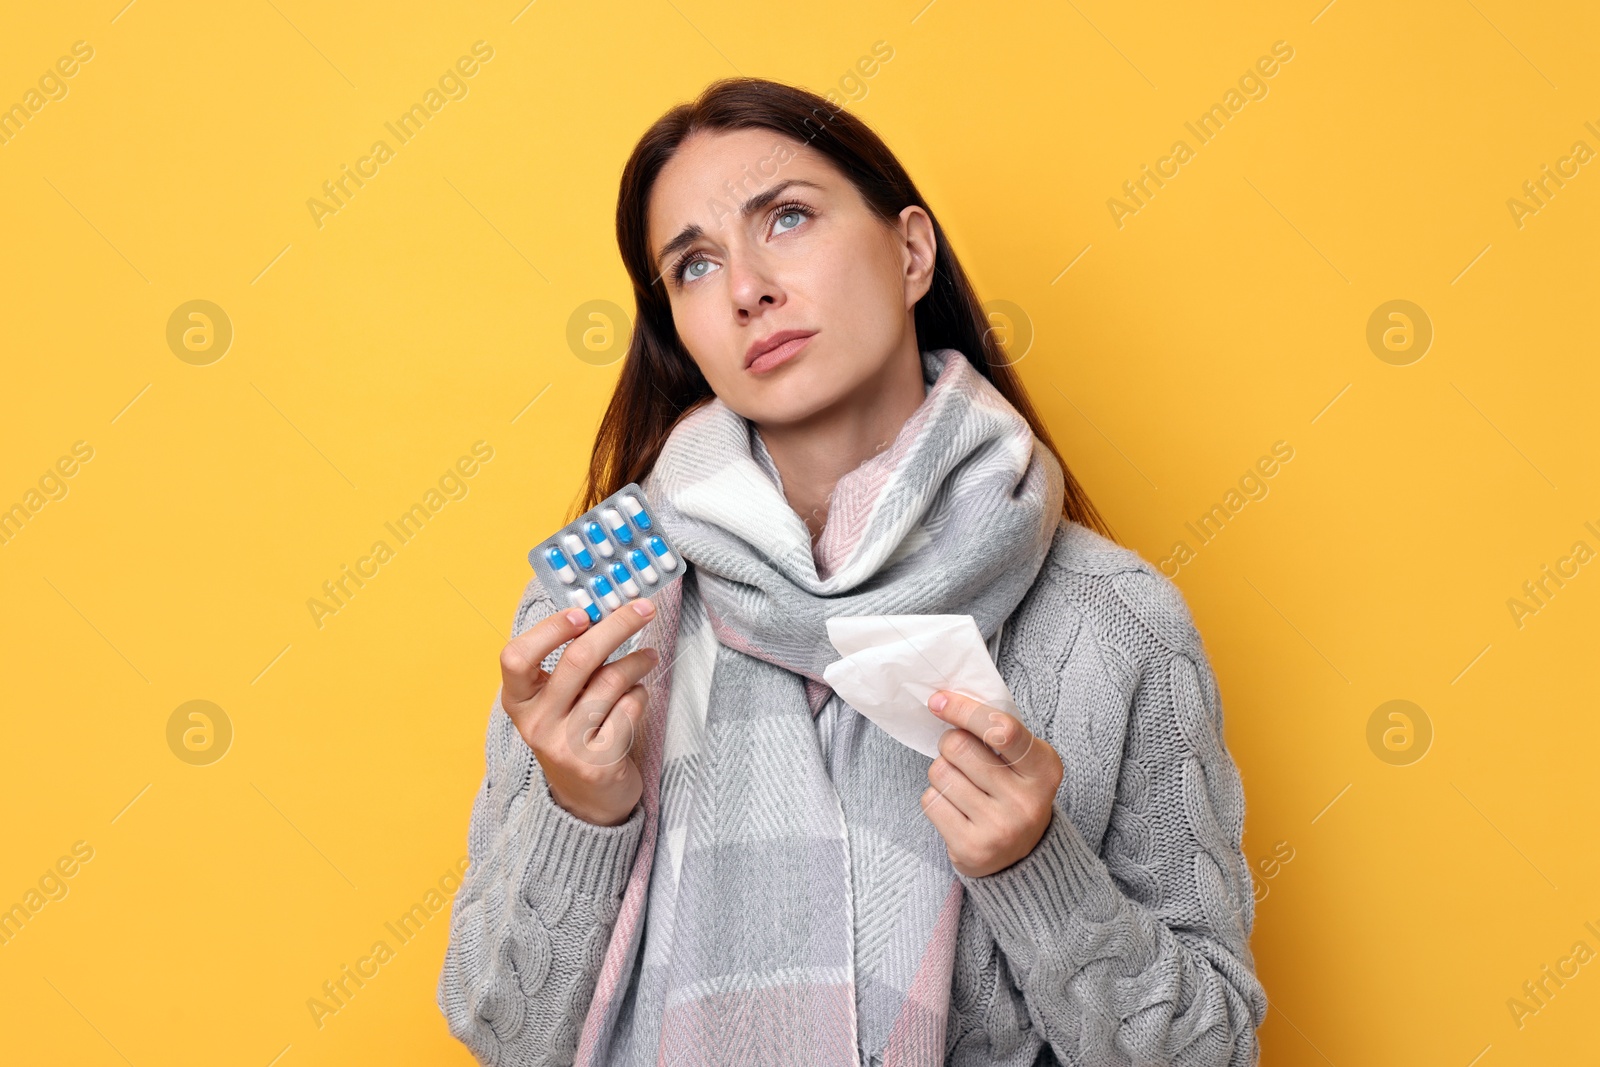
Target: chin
[{"x": 792, "y": 398}]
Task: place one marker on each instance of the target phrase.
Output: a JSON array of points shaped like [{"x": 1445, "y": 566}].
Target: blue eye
[
  {"x": 793, "y": 209},
  {"x": 680, "y": 269}
]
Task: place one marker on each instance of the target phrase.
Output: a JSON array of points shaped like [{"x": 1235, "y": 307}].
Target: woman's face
[{"x": 809, "y": 256}]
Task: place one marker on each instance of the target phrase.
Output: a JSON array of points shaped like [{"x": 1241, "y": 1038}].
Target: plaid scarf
[{"x": 802, "y": 909}]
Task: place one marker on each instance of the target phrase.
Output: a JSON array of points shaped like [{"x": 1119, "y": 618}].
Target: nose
[{"x": 752, "y": 283}]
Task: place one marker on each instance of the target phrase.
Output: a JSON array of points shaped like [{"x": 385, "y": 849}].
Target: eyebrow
[{"x": 692, "y": 232}]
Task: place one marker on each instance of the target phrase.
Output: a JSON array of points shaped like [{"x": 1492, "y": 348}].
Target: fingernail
[
  {"x": 576, "y": 617},
  {"x": 644, "y": 607},
  {"x": 938, "y": 701}
]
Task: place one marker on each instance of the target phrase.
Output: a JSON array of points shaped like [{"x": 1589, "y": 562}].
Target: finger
[
  {"x": 953, "y": 825},
  {"x": 585, "y": 655},
  {"x": 608, "y": 684},
  {"x": 579, "y": 724},
  {"x": 958, "y": 791},
  {"x": 1002, "y": 732},
  {"x": 983, "y": 767},
  {"x": 520, "y": 673},
  {"x": 618, "y": 734},
  {"x": 944, "y": 815}
]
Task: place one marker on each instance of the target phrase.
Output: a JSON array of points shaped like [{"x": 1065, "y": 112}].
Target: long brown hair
[{"x": 660, "y": 383}]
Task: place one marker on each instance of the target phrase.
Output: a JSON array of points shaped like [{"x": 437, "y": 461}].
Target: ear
[{"x": 921, "y": 247}]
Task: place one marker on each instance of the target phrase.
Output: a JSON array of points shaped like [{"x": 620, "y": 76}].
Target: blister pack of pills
[{"x": 609, "y": 555}]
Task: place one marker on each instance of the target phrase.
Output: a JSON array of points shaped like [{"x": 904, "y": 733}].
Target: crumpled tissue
[{"x": 893, "y": 663}]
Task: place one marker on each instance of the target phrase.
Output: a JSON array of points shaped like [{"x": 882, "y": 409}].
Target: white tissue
[{"x": 893, "y": 663}]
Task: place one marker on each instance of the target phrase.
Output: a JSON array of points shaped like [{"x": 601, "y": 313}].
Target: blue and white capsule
[
  {"x": 624, "y": 580},
  {"x": 641, "y": 563},
  {"x": 618, "y": 528},
  {"x": 580, "y": 599},
  {"x": 559, "y": 564},
  {"x": 597, "y": 538},
  {"x": 577, "y": 551},
  {"x": 635, "y": 510},
  {"x": 663, "y": 554},
  {"x": 602, "y": 589}
]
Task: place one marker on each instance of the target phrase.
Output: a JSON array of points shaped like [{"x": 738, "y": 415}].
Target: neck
[{"x": 813, "y": 454}]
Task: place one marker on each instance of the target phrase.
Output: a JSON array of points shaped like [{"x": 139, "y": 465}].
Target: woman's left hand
[{"x": 994, "y": 786}]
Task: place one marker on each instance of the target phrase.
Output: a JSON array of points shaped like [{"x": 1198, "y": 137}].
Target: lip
[{"x": 774, "y": 349}]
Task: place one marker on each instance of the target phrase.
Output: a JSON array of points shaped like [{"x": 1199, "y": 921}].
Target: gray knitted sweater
[{"x": 1122, "y": 938}]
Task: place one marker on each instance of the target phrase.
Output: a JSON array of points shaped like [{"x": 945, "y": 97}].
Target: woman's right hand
[{"x": 581, "y": 719}]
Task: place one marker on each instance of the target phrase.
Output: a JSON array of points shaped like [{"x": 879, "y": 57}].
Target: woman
[{"x": 687, "y": 849}]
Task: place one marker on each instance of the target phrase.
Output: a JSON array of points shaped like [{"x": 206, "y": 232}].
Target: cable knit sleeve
[
  {"x": 542, "y": 890},
  {"x": 1141, "y": 955}
]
